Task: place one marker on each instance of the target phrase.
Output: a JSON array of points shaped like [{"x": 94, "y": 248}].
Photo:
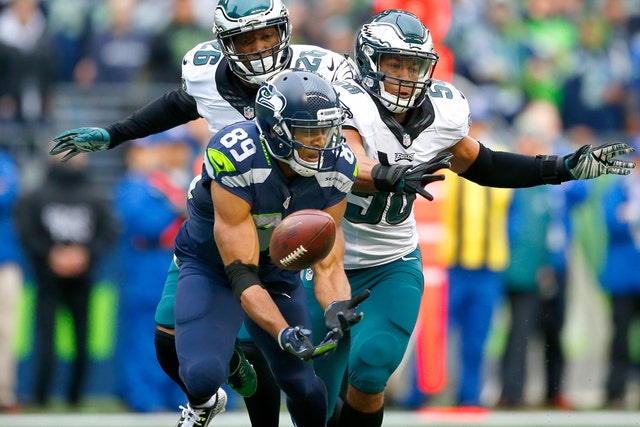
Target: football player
[
  {"x": 220, "y": 79},
  {"x": 255, "y": 173},
  {"x": 402, "y": 125}
]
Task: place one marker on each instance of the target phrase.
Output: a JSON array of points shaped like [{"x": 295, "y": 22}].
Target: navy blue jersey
[{"x": 237, "y": 160}]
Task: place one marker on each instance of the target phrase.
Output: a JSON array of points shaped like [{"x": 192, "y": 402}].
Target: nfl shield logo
[
  {"x": 406, "y": 140},
  {"x": 249, "y": 112}
]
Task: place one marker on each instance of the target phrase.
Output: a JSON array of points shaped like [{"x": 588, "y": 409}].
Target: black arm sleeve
[
  {"x": 510, "y": 170},
  {"x": 170, "y": 110}
]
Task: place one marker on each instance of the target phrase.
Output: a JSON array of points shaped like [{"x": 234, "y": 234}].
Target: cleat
[
  {"x": 243, "y": 377},
  {"x": 201, "y": 417}
]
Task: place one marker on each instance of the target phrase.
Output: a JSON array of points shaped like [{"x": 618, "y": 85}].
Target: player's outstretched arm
[
  {"x": 174, "y": 108},
  {"x": 478, "y": 163}
]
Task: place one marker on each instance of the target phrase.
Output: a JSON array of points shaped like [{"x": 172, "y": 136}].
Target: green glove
[{"x": 80, "y": 140}]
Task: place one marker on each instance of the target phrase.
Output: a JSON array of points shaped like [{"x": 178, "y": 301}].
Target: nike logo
[
  {"x": 331, "y": 67},
  {"x": 411, "y": 258}
]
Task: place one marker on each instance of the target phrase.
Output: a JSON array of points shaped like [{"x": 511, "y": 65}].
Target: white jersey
[
  {"x": 222, "y": 101},
  {"x": 380, "y": 227}
]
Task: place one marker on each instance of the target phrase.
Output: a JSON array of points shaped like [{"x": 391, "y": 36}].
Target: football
[{"x": 302, "y": 239}]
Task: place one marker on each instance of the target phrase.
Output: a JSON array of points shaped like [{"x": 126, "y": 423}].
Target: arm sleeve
[
  {"x": 168, "y": 111},
  {"x": 510, "y": 170}
]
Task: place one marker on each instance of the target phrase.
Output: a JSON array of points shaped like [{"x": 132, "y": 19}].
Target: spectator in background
[
  {"x": 64, "y": 226},
  {"x": 497, "y": 72},
  {"x": 560, "y": 242},
  {"x": 69, "y": 26},
  {"x": 150, "y": 202},
  {"x": 540, "y": 128},
  {"x": 11, "y": 278},
  {"x": 595, "y": 93},
  {"x": 30, "y": 56},
  {"x": 169, "y": 45},
  {"x": 549, "y": 36},
  {"x": 634, "y": 92},
  {"x": 528, "y": 272},
  {"x": 477, "y": 253},
  {"x": 621, "y": 281},
  {"x": 116, "y": 53}
]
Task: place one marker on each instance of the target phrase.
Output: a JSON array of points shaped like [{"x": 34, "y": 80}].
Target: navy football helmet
[
  {"x": 295, "y": 106},
  {"x": 402, "y": 37},
  {"x": 234, "y": 17}
]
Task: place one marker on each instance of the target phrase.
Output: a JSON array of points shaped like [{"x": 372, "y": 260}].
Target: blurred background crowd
[{"x": 541, "y": 76}]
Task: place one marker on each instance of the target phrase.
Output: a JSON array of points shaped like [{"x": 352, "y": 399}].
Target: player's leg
[
  {"x": 264, "y": 405},
  {"x": 165, "y": 341},
  {"x": 242, "y": 378},
  {"x": 208, "y": 317},
  {"x": 306, "y": 396},
  {"x": 378, "y": 343},
  {"x": 331, "y": 369}
]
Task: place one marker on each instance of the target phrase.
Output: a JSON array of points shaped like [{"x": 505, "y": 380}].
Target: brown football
[{"x": 302, "y": 239}]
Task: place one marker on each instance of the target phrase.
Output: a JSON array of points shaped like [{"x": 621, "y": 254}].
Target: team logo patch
[
  {"x": 271, "y": 98},
  {"x": 404, "y": 156},
  {"x": 249, "y": 112}
]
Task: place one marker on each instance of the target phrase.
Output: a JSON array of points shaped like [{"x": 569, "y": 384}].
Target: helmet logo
[{"x": 271, "y": 98}]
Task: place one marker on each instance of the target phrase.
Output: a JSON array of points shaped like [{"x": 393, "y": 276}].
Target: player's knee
[
  {"x": 203, "y": 376},
  {"x": 374, "y": 360}
]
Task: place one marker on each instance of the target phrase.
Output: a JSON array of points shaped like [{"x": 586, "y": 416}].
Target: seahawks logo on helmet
[{"x": 271, "y": 98}]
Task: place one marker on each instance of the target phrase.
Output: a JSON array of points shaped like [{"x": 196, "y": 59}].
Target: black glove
[
  {"x": 342, "y": 315},
  {"x": 410, "y": 179},
  {"x": 587, "y": 162},
  {"x": 296, "y": 340},
  {"x": 80, "y": 140}
]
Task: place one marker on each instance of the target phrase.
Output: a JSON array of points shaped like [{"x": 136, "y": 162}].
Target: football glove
[
  {"x": 297, "y": 341},
  {"x": 409, "y": 179},
  {"x": 342, "y": 315},
  {"x": 588, "y": 162},
  {"x": 80, "y": 140}
]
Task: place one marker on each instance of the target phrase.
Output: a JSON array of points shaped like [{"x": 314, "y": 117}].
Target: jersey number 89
[{"x": 247, "y": 146}]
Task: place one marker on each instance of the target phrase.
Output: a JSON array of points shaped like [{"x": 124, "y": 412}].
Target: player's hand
[
  {"x": 417, "y": 177},
  {"x": 588, "y": 162},
  {"x": 409, "y": 179},
  {"x": 80, "y": 140},
  {"x": 328, "y": 344},
  {"x": 342, "y": 315},
  {"x": 297, "y": 341}
]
